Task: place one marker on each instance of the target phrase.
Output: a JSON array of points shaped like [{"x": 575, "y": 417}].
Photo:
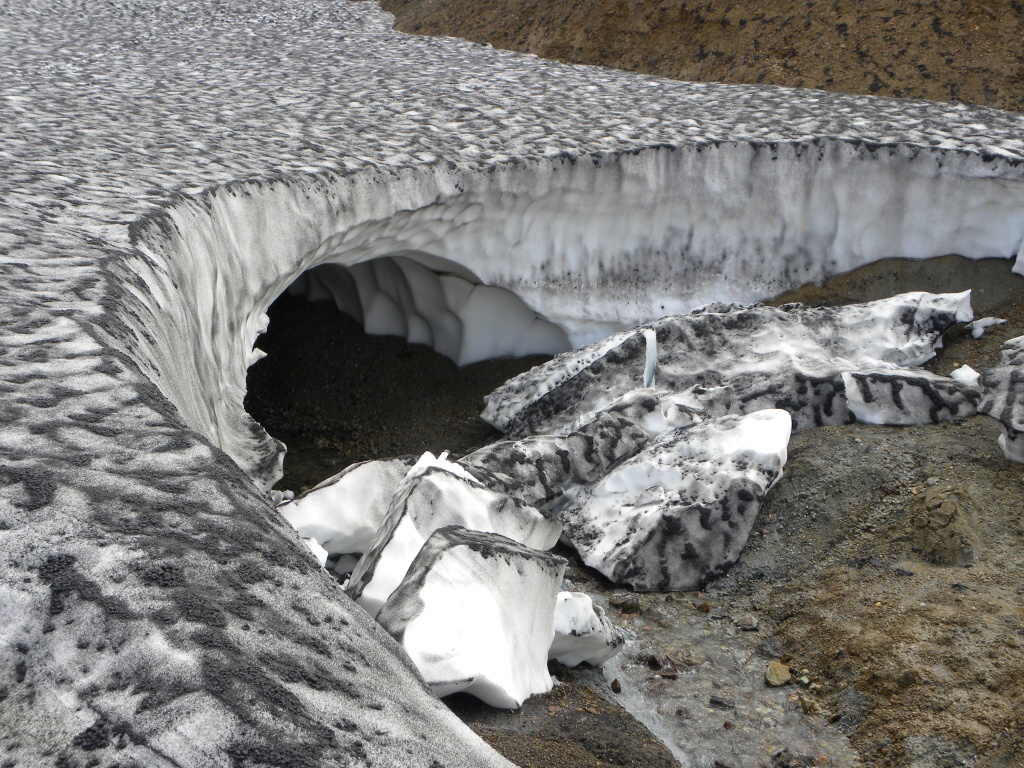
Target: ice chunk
[
  {"x": 583, "y": 632},
  {"x": 538, "y": 469},
  {"x": 476, "y": 614},
  {"x": 678, "y": 514},
  {"x": 438, "y": 493},
  {"x": 966, "y": 375},
  {"x": 729, "y": 359},
  {"x": 318, "y": 552},
  {"x": 977, "y": 327},
  {"x": 1002, "y": 398},
  {"x": 344, "y": 512},
  {"x": 908, "y": 397}
]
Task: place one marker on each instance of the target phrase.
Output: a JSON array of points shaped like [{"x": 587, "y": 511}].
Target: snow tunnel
[
  {"x": 427, "y": 299},
  {"x": 579, "y": 246}
]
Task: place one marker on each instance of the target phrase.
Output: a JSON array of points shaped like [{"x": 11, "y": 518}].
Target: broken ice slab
[
  {"x": 678, "y": 514},
  {"x": 733, "y": 359},
  {"x": 1003, "y": 397},
  {"x": 539, "y": 469},
  {"x": 475, "y": 613},
  {"x": 344, "y": 512},
  {"x": 583, "y": 632},
  {"x": 434, "y": 494},
  {"x": 900, "y": 397}
]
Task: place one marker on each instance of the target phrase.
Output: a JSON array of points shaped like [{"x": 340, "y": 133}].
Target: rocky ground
[{"x": 885, "y": 578}]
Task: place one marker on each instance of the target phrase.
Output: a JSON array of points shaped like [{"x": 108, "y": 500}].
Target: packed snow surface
[{"x": 170, "y": 168}]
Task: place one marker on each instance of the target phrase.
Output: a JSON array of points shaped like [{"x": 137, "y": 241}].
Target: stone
[{"x": 777, "y": 674}]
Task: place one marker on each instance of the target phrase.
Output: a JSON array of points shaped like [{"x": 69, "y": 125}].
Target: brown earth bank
[{"x": 945, "y": 50}]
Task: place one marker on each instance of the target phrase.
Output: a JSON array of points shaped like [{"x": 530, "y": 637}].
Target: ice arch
[
  {"x": 589, "y": 243},
  {"x": 429, "y": 300}
]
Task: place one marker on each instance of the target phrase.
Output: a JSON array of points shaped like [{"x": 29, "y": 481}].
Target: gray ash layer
[{"x": 157, "y": 610}]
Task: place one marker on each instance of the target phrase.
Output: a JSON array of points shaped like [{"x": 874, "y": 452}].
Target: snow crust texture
[
  {"x": 1003, "y": 398},
  {"x": 170, "y": 168}
]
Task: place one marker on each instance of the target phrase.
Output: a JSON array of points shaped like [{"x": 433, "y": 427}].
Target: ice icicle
[
  {"x": 476, "y": 613},
  {"x": 651, "y": 361}
]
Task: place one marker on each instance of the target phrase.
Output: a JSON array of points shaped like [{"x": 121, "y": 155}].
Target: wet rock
[{"x": 747, "y": 623}]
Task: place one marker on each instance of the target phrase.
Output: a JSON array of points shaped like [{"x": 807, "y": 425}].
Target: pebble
[
  {"x": 747, "y": 623},
  {"x": 777, "y": 674}
]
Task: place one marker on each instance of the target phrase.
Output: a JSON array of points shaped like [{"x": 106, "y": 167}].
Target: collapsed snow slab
[
  {"x": 434, "y": 494},
  {"x": 1002, "y": 397},
  {"x": 344, "y": 512},
  {"x": 908, "y": 397},
  {"x": 476, "y": 614},
  {"x": 538, "y": 469},
  {"x": 732, "y": 359},
  {"x": 583, "y": 632},
  {"x": 678, "y": 514}
]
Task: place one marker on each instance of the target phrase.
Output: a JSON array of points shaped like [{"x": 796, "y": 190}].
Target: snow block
[
  {"x": 583, "y": 632},
  {"x": 434, "y": 494},
  {"x": 344, "y": 512},
  {"x": 537, "y": 470},
  {"x": 734, "y": 359},
  {"x": 476, "y": 613},
  {"x": 678, "y": 514},
  {"x": 1002, "y": 397}
]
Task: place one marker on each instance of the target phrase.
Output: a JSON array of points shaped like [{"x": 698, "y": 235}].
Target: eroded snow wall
[{"x": 591, "y": 244}]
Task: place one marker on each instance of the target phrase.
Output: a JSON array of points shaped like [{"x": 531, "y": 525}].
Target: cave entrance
[{"x": 335, "y": 394}]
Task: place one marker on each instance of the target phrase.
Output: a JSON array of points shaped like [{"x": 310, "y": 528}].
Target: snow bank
[{"x": 589, "y": 245}]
